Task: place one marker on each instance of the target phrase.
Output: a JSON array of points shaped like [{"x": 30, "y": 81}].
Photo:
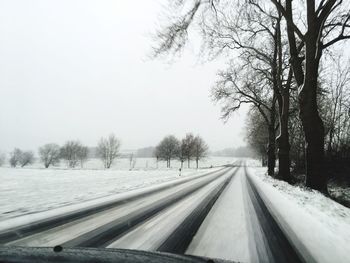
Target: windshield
[{"x": 210, "y": 129}]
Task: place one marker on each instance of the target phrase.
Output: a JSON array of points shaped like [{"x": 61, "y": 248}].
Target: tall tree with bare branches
[
  {"x": 312, "y": 28},
  {"x": 326, "y": 23}
]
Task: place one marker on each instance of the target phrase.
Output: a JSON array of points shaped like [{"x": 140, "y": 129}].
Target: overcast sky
[{"x": 79, "y": 70}]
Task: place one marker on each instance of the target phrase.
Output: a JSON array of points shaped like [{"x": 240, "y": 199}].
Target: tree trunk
[
  {"x": 313, "y": 127},
  {"x": 271, "y": 146},
  {"x": 188, "y": 162},
  {"x": 197, "y": 163},
  {"x": 307, "y": 85},
  {"x": 283, "y": 139},
  {"x": 282, "y": 93},
  {"x": 271, "y": 151}
]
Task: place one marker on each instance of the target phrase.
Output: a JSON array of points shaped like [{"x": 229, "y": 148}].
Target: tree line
[
  {"x": 188, "y": 148},
  {"x": 284, "y": 59},
  {"x": 74, "y": 153}
]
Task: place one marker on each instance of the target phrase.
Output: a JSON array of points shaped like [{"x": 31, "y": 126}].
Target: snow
[
  {"x": 28, "y": 191},
  {"x": 34, "y": 189},
  {"x": 140, "y": 164},
  {"x": 66, "y": 232},
  {"x": 223, "y": 234},
  {"x": 152, "y": 233},
  {"x": 317, "y": 226}
]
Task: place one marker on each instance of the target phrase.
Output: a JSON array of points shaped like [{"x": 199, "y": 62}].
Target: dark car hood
[{"x": 96, "y": 255}]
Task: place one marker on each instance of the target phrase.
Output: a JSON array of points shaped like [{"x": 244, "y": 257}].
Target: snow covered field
[
  {"x": 33, "y": 189},
  {"x": 139, "y": 164}
]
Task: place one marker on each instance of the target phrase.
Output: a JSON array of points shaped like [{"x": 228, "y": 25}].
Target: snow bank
[{"x": 316, "y": 225}]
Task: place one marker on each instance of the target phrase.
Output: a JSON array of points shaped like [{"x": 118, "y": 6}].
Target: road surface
[{"x": 219, "y": 215}]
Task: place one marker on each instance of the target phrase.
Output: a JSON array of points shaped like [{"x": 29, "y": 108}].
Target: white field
[
  {"x": 139, "y": 163},
  {"x": 35, "y": 189}
]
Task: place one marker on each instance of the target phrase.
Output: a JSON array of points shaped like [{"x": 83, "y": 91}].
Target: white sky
[{"x": 79, "y": 70}]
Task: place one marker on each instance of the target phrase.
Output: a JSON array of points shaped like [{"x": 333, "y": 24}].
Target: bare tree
[
  {"x": 254, "y": 32},
  {"x": 82, "y": 154},
  {"x": 108, "y": 150},
  {"x": 2, "y": 159},
  {"x": 237, "y": 86},
  {"x": 312, "y": 28},
  {"x": 132, "y": 161},
  {"x": 131, "y": 157},
  {"x": 200, "y": 149},
  {"x": 182, "y": 152},
  {"x": 257, "y": 133},
  {"x": 188, "y": 144},
  {"x": 251, "y": 74},
  {"x": 325, "y": 23},
  {"x": 156, "y": 154},
  {"x": 15, "y": 156},
  {"x": 26, "y": 158},
  {"x": 168, "y": 149},
  {"x": 336, "y": 106},
  {"x": 71, "y": 151},
  {"x": 49, "y": 154}
]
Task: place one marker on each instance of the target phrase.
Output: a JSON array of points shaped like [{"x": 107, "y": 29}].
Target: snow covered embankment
[{"x": 318, "y": 227}]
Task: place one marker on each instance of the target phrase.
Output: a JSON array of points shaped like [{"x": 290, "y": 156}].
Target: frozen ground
[
  {"x": 31, "y": 190},
  {"x": 317, "y": 225}
]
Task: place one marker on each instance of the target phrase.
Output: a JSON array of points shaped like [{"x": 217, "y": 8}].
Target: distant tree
[
  {"x": 145, "y": 152},
  {"x": 188, "y": 144},
  {"x": 26, "y": 158},
  {"x": 2, "y": 159},
  {"x": 156, "y": 155},
  {"x": 15, "y": 157},
  {"x": 49, "y": 154},
  {"x": 134, "y": 163},
  {"x": 168, "y": 149},
  {"x": 200, "y": 149},
  {"x": 335, "y": 108},
  {"x": 71, "y": 151},
  {"x": 257, "y": 134},
  {"x": 131, "y": 158},
  {"x": 83, "y": 153},
  {"x": 182, "y": 152},
  {"x": 108, "y": 150}
]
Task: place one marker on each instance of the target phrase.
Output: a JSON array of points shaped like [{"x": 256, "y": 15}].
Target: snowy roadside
[
  {"x": 29, "y": 191},
  {"x": 317, "y": 226}
]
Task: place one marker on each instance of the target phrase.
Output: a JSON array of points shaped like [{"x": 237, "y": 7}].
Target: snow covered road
[
  {"x": 223, "y": 233},
  {"x": 159, "y": 233}
]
